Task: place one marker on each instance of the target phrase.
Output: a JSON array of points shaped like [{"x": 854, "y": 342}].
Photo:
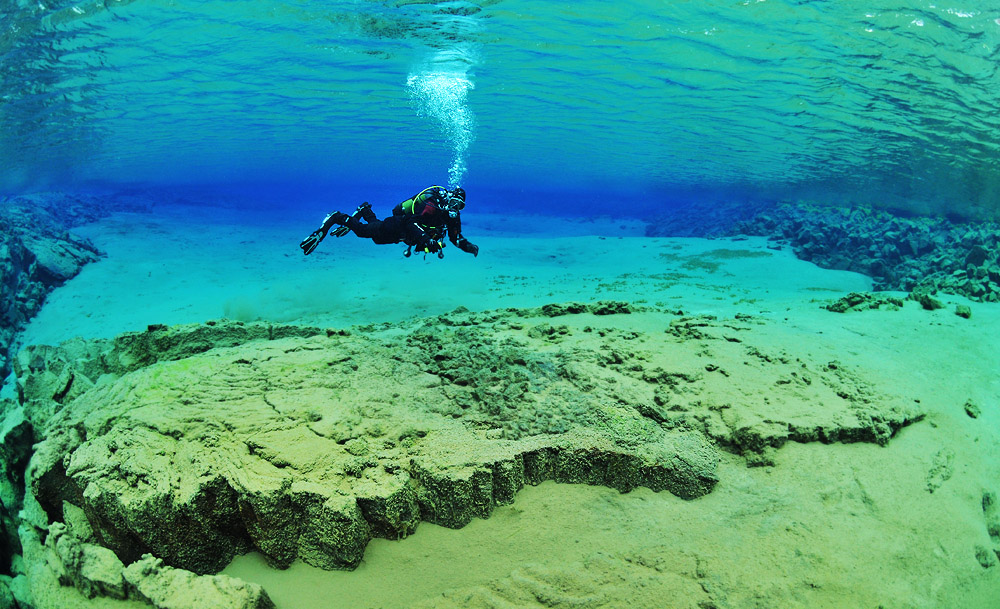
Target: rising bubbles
[
  {"x": 442, "y": 97},
  {"x": 440, "y": 81}
]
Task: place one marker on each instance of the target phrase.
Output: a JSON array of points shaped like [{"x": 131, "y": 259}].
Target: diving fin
[{"x": 310, "y": 243}]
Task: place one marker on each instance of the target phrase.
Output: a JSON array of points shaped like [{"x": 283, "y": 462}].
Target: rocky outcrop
[
  {"x": 16, "y": 440},
  {"x": 196, "y": 443},
  {"x": 30, "y": 267},
  {"x": 863, "y": 301},
  {"x": 706, "y": 220},
  {"x": 66, "y": 554},
  {"x": 899, "y": 253},
  {"x": 37, "y": 253}
]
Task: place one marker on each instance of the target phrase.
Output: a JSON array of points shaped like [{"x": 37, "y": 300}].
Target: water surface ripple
[{"x": 865, "y": 99}]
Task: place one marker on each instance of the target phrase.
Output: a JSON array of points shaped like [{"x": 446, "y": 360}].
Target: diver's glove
[{"x": 467, "y": 246}]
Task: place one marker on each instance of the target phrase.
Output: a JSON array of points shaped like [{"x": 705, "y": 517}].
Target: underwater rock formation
[
  {"x": 197, "y": 443},
  {"x": 66, "y": 555},
  {"x": 899, "y": 253},
  {"x": 37, "y": 254},
  {"x": 704, "y": 219},
  {"x": 862, "y": 301}
]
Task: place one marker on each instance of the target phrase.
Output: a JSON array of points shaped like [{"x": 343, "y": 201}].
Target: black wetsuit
[{"x": 417, "y": 222}]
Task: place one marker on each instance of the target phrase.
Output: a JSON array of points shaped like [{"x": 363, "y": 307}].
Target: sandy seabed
[{"x": 814, "y": 525}]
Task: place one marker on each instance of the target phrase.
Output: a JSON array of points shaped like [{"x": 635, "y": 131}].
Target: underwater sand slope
[{"x": 198, "y": 443}]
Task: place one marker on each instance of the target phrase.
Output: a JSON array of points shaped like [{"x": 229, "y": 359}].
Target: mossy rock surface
[{"x": 196, "y": 443}]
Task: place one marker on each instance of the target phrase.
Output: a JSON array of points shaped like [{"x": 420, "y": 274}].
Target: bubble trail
[
  {"x": 442, "y": 96},
  {"x": 440, "y": 81}
]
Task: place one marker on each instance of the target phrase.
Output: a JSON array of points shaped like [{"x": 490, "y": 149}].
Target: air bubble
[{"x": 442, "y": 96}]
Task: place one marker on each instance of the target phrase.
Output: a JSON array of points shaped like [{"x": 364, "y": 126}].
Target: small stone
[
  {"x": 929, "y": 303},
  {"x": 963, "y": 311},
  {"x": 985, "y": 557}
]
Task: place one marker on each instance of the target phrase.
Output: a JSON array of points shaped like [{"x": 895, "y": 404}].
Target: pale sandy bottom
[{"x": 826, "y": 526}]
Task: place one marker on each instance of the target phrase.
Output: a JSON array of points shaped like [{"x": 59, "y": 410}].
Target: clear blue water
[
  {"x": 288, "y": 109},
  {"x": 576, "y": 107}
]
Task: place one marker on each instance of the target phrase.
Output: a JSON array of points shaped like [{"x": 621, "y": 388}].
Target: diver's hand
[
  {"x": 467, "y": 246},
  {"x": 309, "y": 244}
]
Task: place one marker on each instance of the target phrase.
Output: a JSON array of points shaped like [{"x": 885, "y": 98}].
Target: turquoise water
[{"x": 647, "y": 100}]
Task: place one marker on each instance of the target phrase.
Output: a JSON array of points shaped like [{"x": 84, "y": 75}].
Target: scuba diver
[{"x": 420, "y": 222}]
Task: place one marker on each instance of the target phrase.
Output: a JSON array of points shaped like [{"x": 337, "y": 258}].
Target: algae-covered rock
[
  {"x": 92, "y": 569},
  {"x": 860, "y": 301},
  {"x": 135, "y": 350},
  {"x": 16, "y": 439},
  {"x": 62, "y": 570},
  {"x": 167, "y": 588},
  {"x": 197, "y": 443},
  {"x": 6, "y": 596}
]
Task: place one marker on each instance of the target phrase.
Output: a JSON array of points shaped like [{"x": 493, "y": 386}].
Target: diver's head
[{"x": 454, "y": 200}]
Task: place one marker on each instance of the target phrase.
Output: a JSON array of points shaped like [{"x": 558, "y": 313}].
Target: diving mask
[{"x": 454, "y": 200}]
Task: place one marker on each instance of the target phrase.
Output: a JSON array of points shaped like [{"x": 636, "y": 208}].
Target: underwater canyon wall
[
  {"x": 39, "y": 254},
  {"x": 898, "y": 251}
]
